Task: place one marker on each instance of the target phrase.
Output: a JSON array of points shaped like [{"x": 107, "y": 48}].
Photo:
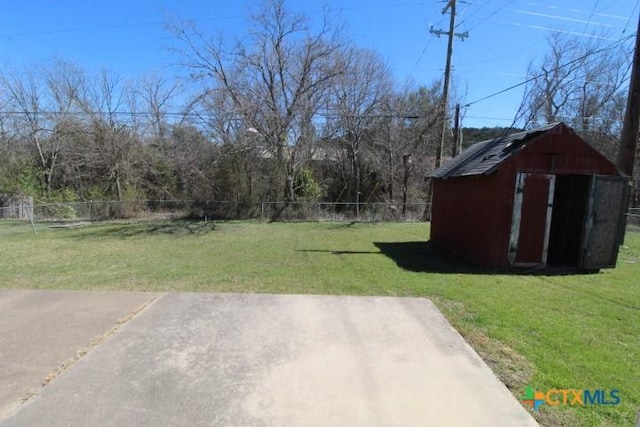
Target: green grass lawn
[{"x": 573, "y": 331}]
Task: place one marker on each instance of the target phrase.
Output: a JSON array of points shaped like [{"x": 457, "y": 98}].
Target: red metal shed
[{"x": 534, "y": 198}]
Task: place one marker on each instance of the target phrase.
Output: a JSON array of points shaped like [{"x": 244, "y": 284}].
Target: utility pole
[
  {"x": 451, "y": 4},
  {"x": 456, "y": 147},
  {"x": 629, "y": 139}
]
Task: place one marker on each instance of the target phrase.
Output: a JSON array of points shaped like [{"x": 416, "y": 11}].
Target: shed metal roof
[{"x": 483, "y": 157}]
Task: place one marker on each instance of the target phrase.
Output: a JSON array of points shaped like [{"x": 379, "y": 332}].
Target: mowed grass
[{"x": 571, "y": 331}]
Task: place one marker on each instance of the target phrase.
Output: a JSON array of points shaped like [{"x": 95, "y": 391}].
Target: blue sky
[{"x": 129, "y": 37}]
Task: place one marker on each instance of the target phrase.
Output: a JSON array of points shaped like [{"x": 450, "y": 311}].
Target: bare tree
[
  {"x": 39, "y": 103},
  {"x": 66, "y": 134},
  {"x": 581, "y": 82},
  {"x": 63, "y": 81},
  {"x": 157, "y": 95},
  {"x": 417, "y": 137},
  {"x": 8, "y": 148},
  {"x": 25, "y": 99},
  {"x": 359, "y": 95},
  {"x": 274, "y": 77},
  {"x": 114, "y": 140},
  {"x": 405, "y": 143}
]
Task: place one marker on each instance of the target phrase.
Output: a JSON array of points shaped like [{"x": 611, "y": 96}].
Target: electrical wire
[
  {"x": 415, "y": 66},
  {"x": 593, "y": 10},
  {"x": 110, "y": 27},
  {"x": 492, "y": 14},
  {"x": 529, "y": 46},
  {"x": 164, "y": 23},
  {"x": 424, "y": 50},
  {"x": 474, "y": 12},
  {"x": 496, "y": 58},
  {"x": 633, "y": 12},
  {"x": 500, "y": 92},
  {"x": 461, "y": 16}
]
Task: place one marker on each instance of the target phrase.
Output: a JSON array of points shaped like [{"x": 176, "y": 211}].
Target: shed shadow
[{"x": 427, "y": 257}]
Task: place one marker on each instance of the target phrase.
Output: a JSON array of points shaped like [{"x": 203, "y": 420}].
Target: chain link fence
[
  {"x": 15, "y": 207},
  {"x": 633, "y": 217},
  {"x": 15, "y": 212},
  {"x": 94, "y": 211}
]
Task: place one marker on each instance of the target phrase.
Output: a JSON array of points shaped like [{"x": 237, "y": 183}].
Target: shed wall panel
[
  {"x": 464, "y": 217},
  {"x": 562, "y": 152}
]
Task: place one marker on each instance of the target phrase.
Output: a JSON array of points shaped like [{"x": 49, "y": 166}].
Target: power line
[
  {"x": 519, "y": 51},
  {"x": 529, "y": 46},
  {"x": 591, "y": 15},
  {"x": 559, "y": 118},
  {"x": 93, "y": 113},
  {"x": 561, "y": 18},
  {"x": 164, "y": 23},
  {"x": 407, "y": 115},
  {"x": 415, "y": 66},
  {"x": 500, "y": 92},
  {"x": 463, "y": 11},
  {"x": 573, "y": 10},
  {"x": 565, "y": 31},
  {"x": 111, "y": 27},
  {"x": 491, "y": 15},
  {"x": 633, "y": 12},
  {"x": 327, "y": 114}
]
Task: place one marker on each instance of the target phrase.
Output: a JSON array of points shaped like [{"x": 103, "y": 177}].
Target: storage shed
[{"x": 534, "y": 198}]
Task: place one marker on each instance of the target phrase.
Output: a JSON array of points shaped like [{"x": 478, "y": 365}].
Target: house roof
[{"x": 483, "y": 157}]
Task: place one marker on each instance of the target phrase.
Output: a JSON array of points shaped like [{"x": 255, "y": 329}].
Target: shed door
[
  {"x": 605, "y": 221},
  {"x": 531, "y": 221}
]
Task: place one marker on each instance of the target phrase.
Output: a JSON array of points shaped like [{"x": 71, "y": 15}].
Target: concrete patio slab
[
  {"x": 42, "y": 332},
  {"x": 266, "y": 360}
]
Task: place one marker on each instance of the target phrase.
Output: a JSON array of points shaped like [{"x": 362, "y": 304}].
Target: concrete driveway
[
  {"x": 263, "y": 360},
  {"x": 42, "y": 333}
]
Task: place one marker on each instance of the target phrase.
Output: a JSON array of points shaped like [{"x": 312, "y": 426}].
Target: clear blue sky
[{"x": 129, "y": 37}]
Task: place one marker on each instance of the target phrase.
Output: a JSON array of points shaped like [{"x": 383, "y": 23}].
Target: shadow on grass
[
  {"x": 327, "y": 251},
  {"x": 177, "y": 228},
  {"x": 428, "y": 257},
  {"x": 432, "y": 258},
  {"x": 343, "y": 225},
  {"x": 423, "y": 257}
]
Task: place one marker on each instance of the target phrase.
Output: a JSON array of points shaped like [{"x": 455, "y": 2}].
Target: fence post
[{"x": 261, "y": 211}]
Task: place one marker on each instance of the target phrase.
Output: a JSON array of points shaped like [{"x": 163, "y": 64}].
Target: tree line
[{"x": 292, "y": 112}]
